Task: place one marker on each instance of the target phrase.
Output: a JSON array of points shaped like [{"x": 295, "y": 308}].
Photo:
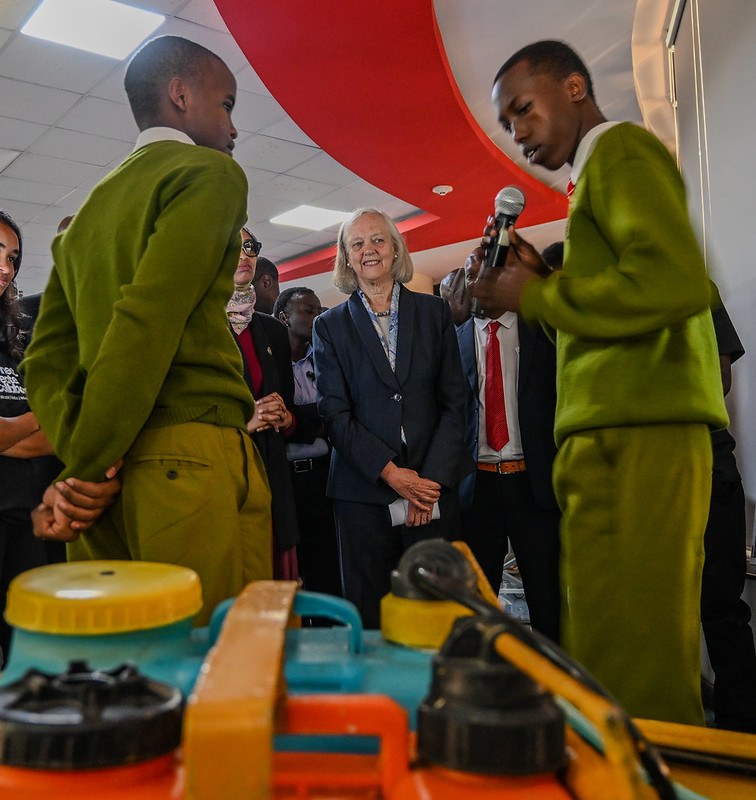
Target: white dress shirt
[{"x": 509, "y": 349}]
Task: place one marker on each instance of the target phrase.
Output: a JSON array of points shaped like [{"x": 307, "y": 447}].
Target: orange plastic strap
[{"x": 228, "y": 726}]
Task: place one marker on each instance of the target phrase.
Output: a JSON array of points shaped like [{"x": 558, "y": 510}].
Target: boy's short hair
[
  {"x": 154, "y": 65},
  {"x": 553, "y": 255},
  {"x": 289, "y": 294},
  {"x": 553, "y": 58},
  {"x": 265, "y": 266}
]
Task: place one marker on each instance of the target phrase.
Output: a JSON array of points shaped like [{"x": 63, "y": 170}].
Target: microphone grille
[{"x": 510, "y": 202}]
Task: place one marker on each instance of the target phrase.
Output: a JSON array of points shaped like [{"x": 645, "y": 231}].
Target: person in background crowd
[
  {"x": 511, "y": 374},
  {"x": 724, "y": 614},
  {"x": 454, "y": 290},
  {"x": 25, "y": 451},
  {"x": 266, "y": 354},
  {"x": 391, "y": 393},
  {"x": 309, "y": 456},
  {"x": 266, "y": 284}
]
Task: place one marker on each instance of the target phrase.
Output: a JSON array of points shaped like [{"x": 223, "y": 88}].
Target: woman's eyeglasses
[{"x": 251, "y": 247}]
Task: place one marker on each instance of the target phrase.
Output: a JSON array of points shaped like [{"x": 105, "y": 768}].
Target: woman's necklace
[{"x": 382, "y": 313}]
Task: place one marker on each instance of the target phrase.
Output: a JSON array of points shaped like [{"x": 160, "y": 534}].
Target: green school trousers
[{"x": 635, "y": 501}]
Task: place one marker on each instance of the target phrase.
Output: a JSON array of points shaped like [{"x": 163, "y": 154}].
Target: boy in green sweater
[
  {"x": 132, "y": 356},
  {"x": 637, "y": 380}
]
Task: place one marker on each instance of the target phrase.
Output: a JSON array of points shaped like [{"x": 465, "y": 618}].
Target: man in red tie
[{"x": 510, "y": 370}]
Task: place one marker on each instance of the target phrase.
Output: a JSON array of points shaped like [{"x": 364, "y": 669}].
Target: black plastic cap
[
  {"x": 87, "y": 719},
  {"x": 437, "y": 556},
  {"x": 484, "y": 715}
]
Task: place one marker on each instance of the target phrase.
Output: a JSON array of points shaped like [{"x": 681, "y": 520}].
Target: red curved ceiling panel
[{"x": 370, "y": 83}]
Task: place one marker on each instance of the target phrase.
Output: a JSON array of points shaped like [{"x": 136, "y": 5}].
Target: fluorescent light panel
[
  {"x": 311, "y": 217},
  {"x": 97, "y": 26}
]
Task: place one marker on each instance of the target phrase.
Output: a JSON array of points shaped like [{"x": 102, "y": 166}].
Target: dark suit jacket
[
  {"x": 364, "y": 405},
  {"x": 273, "y": 351},
  {"x": 536, "y": 402}
]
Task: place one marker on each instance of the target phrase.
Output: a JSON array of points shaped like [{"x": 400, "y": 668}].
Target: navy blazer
[
  {"x": 536, "y": 403},
  {"x": 364, "y": 404}
]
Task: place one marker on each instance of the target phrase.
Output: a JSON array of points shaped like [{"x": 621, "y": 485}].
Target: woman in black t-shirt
[{"x": 25, "y": 453}]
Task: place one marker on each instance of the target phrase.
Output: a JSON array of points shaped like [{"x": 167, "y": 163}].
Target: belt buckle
[{"x": 301, "y": 465}]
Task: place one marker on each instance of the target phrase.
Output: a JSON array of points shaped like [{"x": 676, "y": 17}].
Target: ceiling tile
[
  {"x": 71, "y": 201},
  {"x": 203, "y": 13},
  {"x": 21, "y": 211},
  {"x": 8, "y": 157},
  {"x": 166, "y": 7},
  {"x": 287, "y": 129},
  {"x": 111, "y": 86},
  {"x": 59, "y": 171},
  {"x": 260, "y": 208},
  {"x": 254, "y": 111},
  {"x": 16, "y": 134},
  {"x": 37, "y": 239},
  {"x": 26, "y": 101},
  {"x": 55, "y": 65},
  {"x": 14, "y": 14},
  {"x": 361, "y": 194},
  {"x": 80, "y": 147},
  {"x": 219, "y": 42},
  {"x": 30, "y": 192},
  {"x": 322, "y": 167},
  {"x": 248, "y": 80},
  {"x": 101, "y": 118},
  {"x": 318, "y": 239},
  {"x": 295, "y": 191},
  {"x": 275, "y": 155},
  {"x": 50, "y": 216},
  {"x": 257, "y": 176}
]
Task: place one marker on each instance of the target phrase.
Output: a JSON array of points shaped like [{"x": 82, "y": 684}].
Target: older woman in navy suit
[{"x": 391, "y": 393}]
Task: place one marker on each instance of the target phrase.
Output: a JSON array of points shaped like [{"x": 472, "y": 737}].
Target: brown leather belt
[{"x": 503, "y": 467}]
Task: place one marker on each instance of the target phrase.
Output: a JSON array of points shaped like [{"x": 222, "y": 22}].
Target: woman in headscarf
[{"x": 266, "y": 353}]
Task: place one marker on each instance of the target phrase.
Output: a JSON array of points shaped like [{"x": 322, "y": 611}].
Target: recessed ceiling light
[
  {"x": 97, "y": 26},
  {"x": 312, "y": 217}
]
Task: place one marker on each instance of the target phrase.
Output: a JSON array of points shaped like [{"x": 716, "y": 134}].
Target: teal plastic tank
[{"x": 107, "y": 613}]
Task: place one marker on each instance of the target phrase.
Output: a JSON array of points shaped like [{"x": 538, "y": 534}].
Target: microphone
[{"x": 508, "y": 205}]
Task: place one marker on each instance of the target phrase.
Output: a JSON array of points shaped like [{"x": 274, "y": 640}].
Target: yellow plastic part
[
  {"x": 229, "y": 720},
  {"x": 426, "y": 623},
  {"x": 418, "y": 623},
  {"x": 706, "y": 780},
  {"x": 89, "y": 598},
  {"x": 615, "y": 776}
]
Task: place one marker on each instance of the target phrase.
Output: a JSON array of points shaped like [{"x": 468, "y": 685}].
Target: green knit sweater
[
  {"x": 132, "y": 330},
  {"x": 631, "y": 307}
]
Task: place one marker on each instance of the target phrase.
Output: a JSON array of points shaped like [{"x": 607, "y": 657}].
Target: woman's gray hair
[{"x": 345, "y": 278}]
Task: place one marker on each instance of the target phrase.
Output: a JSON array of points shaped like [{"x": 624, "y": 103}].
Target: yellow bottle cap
[
  {"x": 98, "y": 597},
  {"x": 418, "y": 623}
]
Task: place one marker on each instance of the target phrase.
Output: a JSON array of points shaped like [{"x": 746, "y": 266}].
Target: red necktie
[
  {"x": 570, "y": 189},
  {"x": 497, "y": 431}
]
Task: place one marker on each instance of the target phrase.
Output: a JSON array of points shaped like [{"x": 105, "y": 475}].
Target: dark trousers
[
  {"x": 317, "y": 551},
  {"x": 724, "y": 614},
  {"x": 504, "y": 508},
  {"x": 370, "y": 548},
  {"x": 19, "y": 550}
]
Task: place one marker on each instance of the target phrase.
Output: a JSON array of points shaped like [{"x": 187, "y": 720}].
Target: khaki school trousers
[{"x": 195, "y": 495}]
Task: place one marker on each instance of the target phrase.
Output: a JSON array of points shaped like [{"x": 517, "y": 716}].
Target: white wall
[{"x": 715, "y": 69}]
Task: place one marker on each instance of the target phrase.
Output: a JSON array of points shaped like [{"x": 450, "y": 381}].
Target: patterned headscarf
[{"x": 241, "y": 307}]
